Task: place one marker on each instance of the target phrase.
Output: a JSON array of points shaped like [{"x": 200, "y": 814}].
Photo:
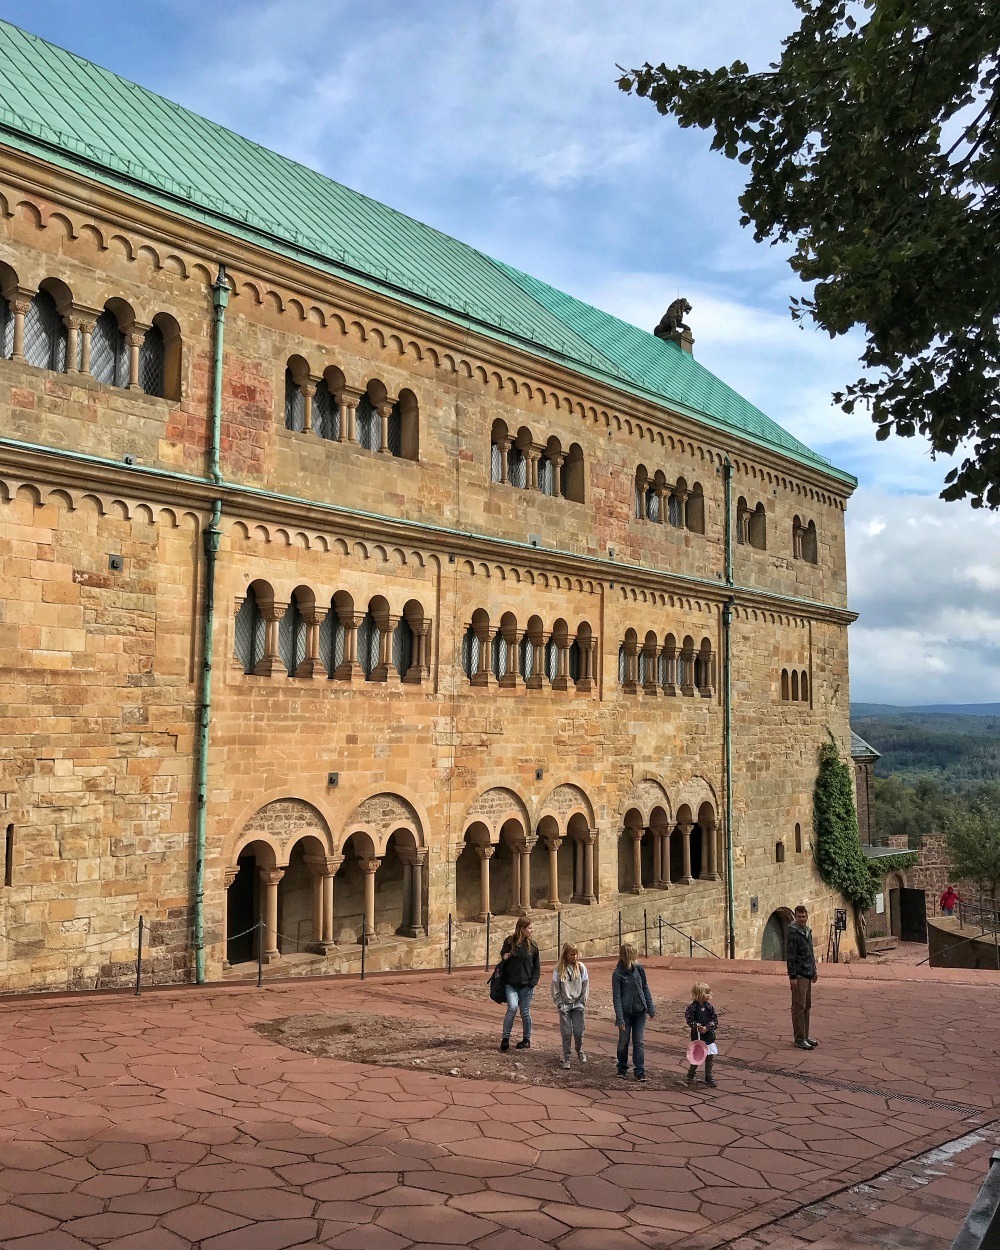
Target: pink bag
[{"x": 697, "y": 1052}]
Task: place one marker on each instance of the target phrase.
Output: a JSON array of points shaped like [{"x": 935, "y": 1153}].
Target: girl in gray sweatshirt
[{"x": 570, "y": 991}]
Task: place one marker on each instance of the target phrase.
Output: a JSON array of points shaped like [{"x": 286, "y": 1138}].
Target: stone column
[
  {"x": 631, "y": 685},
  {"x": 385, "y": 671},
  {"x": 636, "y": 836},
  {"x": 312, "y": 666},
  {"x": 384, "y": 412},
  {"x": 670, "y": 685},
  {"x": 561, "y": 680},
  {"x": 134, "y": 340},
  {"x": 270, "y": 663},
  {"x": 323, "y": 869},
  {"x": 589, "y": 884},
  {"x": 552, "y": 845},
  {"x": 307, "y": 390},
  {"x": 485, "y": 854},
  {"x": 665, "y": 858},
  {"x": 585, "y": 682},
  {"x": 20, "y": 304},
  {"x": 515, "y": 879},
  {"x": 349, "y": 669},
  {"x": 504, "y": 445},
  {"x": 413, "y": 893},
  {"x": 657, "y": 835},
  {"x": 534, "y": 455},
  {"x": 369, "y": 867},
  {"x": 348, "y": 411},
  {"x": 578, "y": 871},
  {"x": 524, "y": 854},
  {"x": 710, "y": 849},
  {"x": 684, "y": 829},
  {"x": 512, "y": 679},
  {"x": 538, "y": 679},
  {"x": 483, "y": 676},
  {"x": 651, "y": 685},
  {"x": 72, "y": 343},
  {"x": 84, "y": 320},
  {"x": 419, "y": 667},
  {"x": 269, "y": 880},
  {"x": 558, "y": 461}
]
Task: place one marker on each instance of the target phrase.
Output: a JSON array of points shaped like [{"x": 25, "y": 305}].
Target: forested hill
[{"x": 958, "y": 748}]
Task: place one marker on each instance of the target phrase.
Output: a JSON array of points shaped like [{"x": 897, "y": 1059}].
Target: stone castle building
[{"x": 352, "y": 579}]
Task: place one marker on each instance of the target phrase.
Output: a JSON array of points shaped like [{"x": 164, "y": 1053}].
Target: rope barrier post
[
  {"x": 487, "y": 941},
  {"x": 690, "y": 947},
  {"x": 449, "y": 942},
  {"x": 364, "y": 944},
  {"x": 260, "y": 951},
  {"x": 138, "y": 962},
  {"x": 660, "y": 927},
  {"x": 619, "y": 928},
  {"x": 645, "y": 935},
  {"x": 559, "y": 934}
]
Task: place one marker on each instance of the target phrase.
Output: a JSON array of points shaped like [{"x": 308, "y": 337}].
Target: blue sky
[{"x": 498, "y": 121}]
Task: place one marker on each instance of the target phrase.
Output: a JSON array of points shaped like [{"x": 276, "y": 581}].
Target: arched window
[
  {"x": 758, "y": 528},
  {"x": 152, "y": 356},
  {"x": 572, "y": 486},
  {"x": 779, "y": 852},
  {"x": 394, "y": 431},
  {"x": 795, "y": 685},
  {"x": 810, "y": 546},
  {"x": 675, "y": 511},
  {"x": 45, "y": 335},
  {"x": 696, "y": 509},
  {"x": 575, "y": 661},
  {"x": 641, "y": 479},
  {"x": 742, "y": 521},
  {"x": 402, "y": 646},
  {"x": 667, "y": 673},
  {"x": 517, "y": 467},
  {"x": 703, "y": 666},
  {"x": 785, "y": 688},
  {"x": 652, "y": 502},
  {"x": 250, "y": 633},
  {"x": 552, "y": 659},
  {"x": 326, "y": 412},
  {"x": 798, "y": 839},
  {"x": 332, "y": 640},
  {"x": 295, "y": 405},
  {"x": 470, "y": 653},
  {"x": 622, "y": 665},
  {"x": 526, "y": 657},
  {"x": 369, "y": 643},
  {"x": 108, "y": 351},
  {"x": 366, "y": 423},
  {"x": 496, "y": 463},
  {"x": 292, "y": 637},
  {"x": 500, "y": 656},
  {"x": 687, "y": 666},
  {"x": 804, "y": 687}
]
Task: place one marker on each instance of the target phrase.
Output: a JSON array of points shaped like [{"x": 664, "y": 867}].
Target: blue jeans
[
  {"x": 635, "y": 1029},
  {"x": 518, "y": 1000}
]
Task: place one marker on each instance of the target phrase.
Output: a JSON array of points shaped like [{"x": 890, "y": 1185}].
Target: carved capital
[
  {"x": 271, "y": 876},
  {"x": 369, "y": 866}
]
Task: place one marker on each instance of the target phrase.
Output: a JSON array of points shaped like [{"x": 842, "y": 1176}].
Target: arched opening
[
  {"x": 779, "y": 852},
  {"x": 505, "y": 655},
  {"x": 250, "y": 633},
  {"x": 573, "y": 476},
  {"x": 45, "y": 333},
  {"x": 244, "y": 903},
  {"x": 9, "y": 284},
  {"x": 810, "y": 546},
  {"x": 804, "y": 687},
  {"x": 742, "y": 521},
  {"x": 696, "y": 509},
  {"x": 327, "y": 411},
  {"x": 402, "y": 646},
  {"x": 517, "y": 459},
  {"x": 349, "y": 888},
  {"x": 629, "y": 879},
  {"x": 687, "y": 666},
  {"x": 628, "y": 663},
  {"x": 539, "y": 869},
  {"x": 399, "y": 888},
  {"x": 648, "y": 664},
  {"x": 500, "y": 444},
  {"x": 558, "y": 649},
  {"x": 795, "y": 685},
  {"x": 772, "y": 945},
  {"x": 798, "y": 839},
  {"x": 296, "y": 377},
  {"x": 658, "y": 838},
  {"x": 697, "y": 851},
  {"x": 667, "y": 665},
  {"x": 704, "y": 669},
  {"x": 785, "y": 686},
  {"x": 108, "y": 348},
  {"x": 297, "y": 899},
  {"x": 505, "y": 870},
  {"x": 473, "y": 882},
  {"x": 758, "y": 528},
  {"x": 550, "y": 468},
  {"x": 367, "y": 425},
  {"x": 292, "y": 630},
  {"x": 533, "y": 654},
  {"x": 406, "y": 415},
  {"x": 370, "y": 636},
  {"x": 641, "y": 481}
]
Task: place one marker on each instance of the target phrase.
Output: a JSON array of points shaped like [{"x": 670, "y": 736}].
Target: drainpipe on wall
[
  {"x": 220, "y": 298},
  {"x": 727, "y": 680}
]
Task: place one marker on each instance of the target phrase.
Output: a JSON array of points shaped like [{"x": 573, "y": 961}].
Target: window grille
[
  {"x": 470, "y": 653},
  {"x": 652, "y": 504},
  {"x": 295, "y": 405},
  {"x": 546, "y": 476},
  {"x": 662, "y": 670},
  {"x": 369, "y": 644},
  {"x": 527, "y": 657},
  {"x": 249, "y": 634},
  {"x": 326, "y": 631},
  {"x": 640, "y": 503},
  {"x": 6, "y": 330},
  {"x": 292, "y": 638},
  {"x": 622, "y": 665},
  {"x": 496, "y": 463},
  {"x": 551, "y": 659},
  {"x": 517, "y": 467},
  {"x": 395, "y": 431},
  {"x": 643, "y": 668},
  {"x": 575, "y": 661},
  {"x": 151, "y": 359},
  {"x": 108, "y": 351},
  {"x": 402, "y": 647},
  {"x": 674, "y": 511},
  {"x": 45, "y": 334},
  {"x": 500, "y": 656},
  {"x": 326, "y": 412},
  {"x": 367, "y": 425}
]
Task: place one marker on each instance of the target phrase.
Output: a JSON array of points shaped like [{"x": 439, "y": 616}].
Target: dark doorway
[
  {"x": 912, "y": 916},
  {"x": 696, "y": 841},
  {"x": 772, "y": 944},
  {"x": 241, "y": 912}
]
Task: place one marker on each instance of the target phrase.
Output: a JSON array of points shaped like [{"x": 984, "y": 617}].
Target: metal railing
[{"x": 981, "y": 1230}]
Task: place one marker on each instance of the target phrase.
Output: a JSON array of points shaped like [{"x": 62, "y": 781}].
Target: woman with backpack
[{"x": 522, "y": 970}]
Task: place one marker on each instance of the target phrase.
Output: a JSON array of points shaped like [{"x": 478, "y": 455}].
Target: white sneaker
[
  {"x": 581, "y": 1056},
  {"x": 566, "y": 1063}
]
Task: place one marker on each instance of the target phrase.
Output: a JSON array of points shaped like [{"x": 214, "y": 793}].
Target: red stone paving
[{"x": 167, "y": 1121}]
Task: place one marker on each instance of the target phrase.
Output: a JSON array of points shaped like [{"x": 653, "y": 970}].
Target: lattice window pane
[
  {"x": 551, "y": 659},
  {"x": 108, "y": 352},
  {"x": 496, "y": 464},
  {"x": 295, "y": 405},
  {"x": 640, "y": 503},
  {"x": 661, "y": 669},
  {"x": 643, "y": 667},
  {"x": 259, "y": 637},
  {"x": 527, "y": 657},
  {"x": 326, "y": 413},
  {"x": 622, "y": 666},
  {"x": 395, "y": 431},
  {"x": 499, "y": 656},
  {"x": 246, "y": 618},
  {"x": 44, "y": 334},
  {"x": 6, "y": 330},
  {"x": 151, "y": 356},
  {"x": 367, "y": 425},
  {"x": 470, "y": 653},
  {"x": 402, "y": 647},
  {"x": 674, "y": 511},
  {"x": 652, "y": 504},
  {"x": 574, "y": 661},
  {"x": 300, "y": 641},
  {"x": 546, "y": 476},
  {"x": 326, "y": 641},
  {"x": 287, "y": 630},
  {"x": 517, "y": 467}
]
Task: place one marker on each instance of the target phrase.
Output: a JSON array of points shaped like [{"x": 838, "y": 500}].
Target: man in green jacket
[{"x": 801, "y": 961}]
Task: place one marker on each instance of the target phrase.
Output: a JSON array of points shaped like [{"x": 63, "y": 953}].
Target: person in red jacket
[{"x": 948, "y": 900}]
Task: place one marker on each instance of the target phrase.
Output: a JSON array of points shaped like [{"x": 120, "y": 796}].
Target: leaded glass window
[
  {"x": 496, "y": 463},
  {"x": 151, "y": 361},
  {"x": 622, "y": 665},
  {"x": 369, "y": 643},
  {"x": 295, "y": 405},
  {"x": 470, "y": 653},
  {"x": 546, "y": 476},
  {"x": 402, "y": 647},
  {"x": 652, "y": 504},
  {"x": 500, "y": 655},
  {"x": 292, "y": 638},
  {"x": 517, "y": 467},
  {"x": 551, "y": 659},
  {"x": 108, "y": 351},
  {"x": 250, "y": 633},
  {"x": 367, "y": 424},
  {"x": 527, "y": 657},
  {"x": 332, "y": 638},
  {"x": 674, "y": 511},
  {"x": 45, "y": 334},
  {"x": 395, "y": 431},
  {"x": 6, "y": 330},
  {"x": 326, "y": 412}
]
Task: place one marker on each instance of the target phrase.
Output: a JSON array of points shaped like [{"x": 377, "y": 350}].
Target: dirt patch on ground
[{"x": 467, "y": 1048}]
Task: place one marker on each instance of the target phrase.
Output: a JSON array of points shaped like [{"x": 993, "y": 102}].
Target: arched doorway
[
  {"x": 772, "y": 945},
  {"x": 244, "y": 901}
]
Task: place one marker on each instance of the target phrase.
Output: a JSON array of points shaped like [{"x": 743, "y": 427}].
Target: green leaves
[
  {"x": 841, "y": 862},
  {"x": 874, "y": 149}
]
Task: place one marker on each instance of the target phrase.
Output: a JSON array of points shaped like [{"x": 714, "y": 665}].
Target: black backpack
[{"x": 498, "y": 982}]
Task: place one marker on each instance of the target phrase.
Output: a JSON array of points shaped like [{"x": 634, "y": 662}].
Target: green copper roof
[{"x": 82, "y": 117}]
